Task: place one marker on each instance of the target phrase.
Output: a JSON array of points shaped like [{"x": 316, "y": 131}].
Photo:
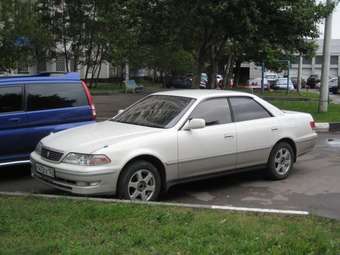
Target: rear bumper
[
  {"x": 306, "y": 144},
  {"x": 99, "y": 181}
]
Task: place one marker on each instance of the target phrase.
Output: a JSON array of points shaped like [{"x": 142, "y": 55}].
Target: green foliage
[
  {"x": 23, "y": 37},
  {"x": 172, "y": 36}
]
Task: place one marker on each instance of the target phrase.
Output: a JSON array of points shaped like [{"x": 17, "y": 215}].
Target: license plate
[{"x": 45, "y": 170}]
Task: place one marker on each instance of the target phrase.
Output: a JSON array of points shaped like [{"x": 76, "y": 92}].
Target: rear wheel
[
  {"x": 281, "y": 161},
  {"x": 140, "y": 181}
]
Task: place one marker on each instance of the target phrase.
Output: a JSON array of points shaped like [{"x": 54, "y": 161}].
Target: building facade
[
  {"x": 309, "y": 65},
  {"x": 313, "y": 65}
]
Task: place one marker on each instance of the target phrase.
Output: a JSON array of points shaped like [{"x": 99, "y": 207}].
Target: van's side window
[
  {"x": 11, "y": 99},
  {"x": 52, "y": 96}
]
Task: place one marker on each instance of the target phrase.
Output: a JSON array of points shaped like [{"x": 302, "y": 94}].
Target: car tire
[
  {"x": 281, "y": 161},
  {"x": 139, "y": 180}
]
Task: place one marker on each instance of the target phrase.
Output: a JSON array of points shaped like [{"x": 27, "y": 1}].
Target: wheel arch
[
  {"x": 291, "y": 142},
  {"x": 153, "y": 160}
]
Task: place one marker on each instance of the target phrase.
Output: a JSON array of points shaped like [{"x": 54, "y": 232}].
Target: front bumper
[{"x": 77, "y": 179}]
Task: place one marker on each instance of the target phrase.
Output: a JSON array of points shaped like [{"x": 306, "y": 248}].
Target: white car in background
[
  {"x": 271, "y": 77},
  {"x": 257, "y": 83},
  {"x": 281, "y": 83},
  {"x": 332, "y": 85},
  {"x": 174, "y": 137}
]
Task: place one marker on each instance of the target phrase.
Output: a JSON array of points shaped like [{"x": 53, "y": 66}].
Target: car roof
[
  {"x": 40, "y": 78},
  {"x": 201, "y": 93}
]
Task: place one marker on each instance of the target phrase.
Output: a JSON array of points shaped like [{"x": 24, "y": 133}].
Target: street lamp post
[{"x": 323, "y": 104}]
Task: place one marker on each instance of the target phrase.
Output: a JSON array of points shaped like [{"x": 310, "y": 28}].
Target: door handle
[
  {"x": 275, "y": 129},
  {"x": 228, "y": 136}
]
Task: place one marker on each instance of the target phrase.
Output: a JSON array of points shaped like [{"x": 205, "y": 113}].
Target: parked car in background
[
  {"x": 179, "y": 82},
  {"x": 32, "y": 107},
  {"x": 281, "y": 83},
  {"x": 204, "y": 81},
  {"x": 312, "y": 81},
  {"x": 295, "y": 82},
  {"x": 219, "y": 80},
  {"x": 333, "y": 85},
  {"x": 271, "y": 77},
  {"x": 257, "y": 83},
  {"x": 174, "y": 137}
]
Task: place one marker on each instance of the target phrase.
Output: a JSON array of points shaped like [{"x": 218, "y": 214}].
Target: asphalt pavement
[{"x": 314, "y": 184}]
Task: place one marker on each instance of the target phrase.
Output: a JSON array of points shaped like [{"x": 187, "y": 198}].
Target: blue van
[{"x": 31, "y": 107}]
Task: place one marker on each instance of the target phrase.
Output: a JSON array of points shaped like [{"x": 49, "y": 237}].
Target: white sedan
[{"x": 173, "y": 137}]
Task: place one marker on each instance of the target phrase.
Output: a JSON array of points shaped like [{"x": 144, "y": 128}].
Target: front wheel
[
  {"x": 281, "y": 161},
  {"x": 140, "y": 181}
]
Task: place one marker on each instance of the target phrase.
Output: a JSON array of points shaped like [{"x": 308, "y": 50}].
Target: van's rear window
[{"x": 52, "y": 96}]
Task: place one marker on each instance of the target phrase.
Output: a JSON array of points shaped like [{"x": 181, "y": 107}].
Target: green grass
[
  {"x": 41, "y": 226},
  {"x": 333, "y": 114}
]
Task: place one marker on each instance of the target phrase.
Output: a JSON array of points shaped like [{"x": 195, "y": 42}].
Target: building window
[
  {"x": 307, "y": 60},
  {"x": 334, "y": 60},
  {"x": 318, "y": 60},
  {"x": 60, "y": 63}
]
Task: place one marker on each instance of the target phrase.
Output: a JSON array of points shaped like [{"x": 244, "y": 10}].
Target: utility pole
[
  {"x": 299, "y": 81},
  {"x": 323, "y": 104}
]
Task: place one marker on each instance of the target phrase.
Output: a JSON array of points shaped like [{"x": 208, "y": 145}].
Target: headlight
[
  {"x": 86, "y": 159},
  {"x": 38, "y": 148}
]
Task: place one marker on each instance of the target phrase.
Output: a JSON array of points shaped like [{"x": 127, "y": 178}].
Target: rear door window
[
  {"x": 11, "y": 99},
  {"x": 246, "y": 108},
  {"x": 53, "y": 96}
]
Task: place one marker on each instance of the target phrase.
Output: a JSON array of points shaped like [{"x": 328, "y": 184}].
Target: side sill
[{"x": 214, "y": 175}]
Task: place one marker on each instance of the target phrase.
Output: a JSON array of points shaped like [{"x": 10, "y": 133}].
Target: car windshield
[{"x": 158, "y": 111}]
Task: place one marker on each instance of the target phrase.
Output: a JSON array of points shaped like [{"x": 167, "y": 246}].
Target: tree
[{"x": 23, "y": 37}]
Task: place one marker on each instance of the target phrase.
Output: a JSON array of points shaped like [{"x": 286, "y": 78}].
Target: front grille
[{"x": 51, "y": 155}]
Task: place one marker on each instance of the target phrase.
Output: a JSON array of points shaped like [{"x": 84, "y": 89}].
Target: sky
[{"x": 335, "y": 24}]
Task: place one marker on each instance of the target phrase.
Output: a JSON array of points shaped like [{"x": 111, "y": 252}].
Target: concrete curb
[
  {"x": 327, "y": 127},
  {"x": 192, "y": 206}
]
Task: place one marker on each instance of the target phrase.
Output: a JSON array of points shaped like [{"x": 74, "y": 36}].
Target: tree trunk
[
  {"x": 95, "y": 66},
  {"x": 66, "y": 55},
  {"x": 98, "y": 74},
  {"x": 299, "y": 79},
  {"x": 212, "y": 69},
  {"x": 127, "y": 72},
  {"x": 237, "y": 72},
  {"x": 75, "y": 63},
  {"x": 197, "y": 76},
  {"x": 227, "y": 72}
]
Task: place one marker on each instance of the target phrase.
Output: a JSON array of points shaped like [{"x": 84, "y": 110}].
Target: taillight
[
  {"x": 312, "y": 124},
  {"x": 89, "y": 100}
]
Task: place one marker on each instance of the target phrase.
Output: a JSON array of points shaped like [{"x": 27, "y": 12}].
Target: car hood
[{"x": 93, "y": 137}]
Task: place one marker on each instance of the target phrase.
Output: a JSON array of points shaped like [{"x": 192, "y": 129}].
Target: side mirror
[
  {"x": 194, "y": 124},
  {"x": 120, "y": 111}
]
